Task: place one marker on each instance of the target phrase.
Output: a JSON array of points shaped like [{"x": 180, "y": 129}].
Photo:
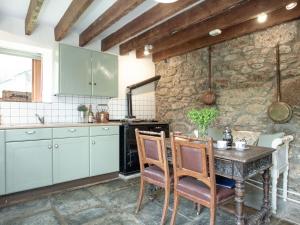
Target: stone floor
[{"x": 114, "y": 202}]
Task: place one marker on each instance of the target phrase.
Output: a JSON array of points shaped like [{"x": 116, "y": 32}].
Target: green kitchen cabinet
[
  {"x": 2, "y": 163},
  {"x": 104, "y": 156},
  {"x": 70, "y": 159},
  {"x": 28, "y": 165},
  {"x": 105, "y": 74},
  {"x": 74, "y": 70}
]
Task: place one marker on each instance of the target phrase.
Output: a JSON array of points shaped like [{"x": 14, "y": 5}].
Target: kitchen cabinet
[
  {"x": 28, "y": 165},
  {"x": 105, "y": 74},
  {"x": 104, "y": 150},
  {"x": 74, "y": 70},
  {"x": 91, "y": 73},
  {"x": 70, "y": 159},
  {"x": 2, "y": 163}
]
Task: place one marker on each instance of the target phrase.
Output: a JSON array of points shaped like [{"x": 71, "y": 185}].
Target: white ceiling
[{"x": 53, "y": 10}]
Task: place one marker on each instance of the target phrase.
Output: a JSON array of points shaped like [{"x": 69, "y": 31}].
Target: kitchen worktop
[{"x": 53, "y": 125}]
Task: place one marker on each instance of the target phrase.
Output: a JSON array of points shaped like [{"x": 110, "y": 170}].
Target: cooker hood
[{"x": 129, "y": 93}]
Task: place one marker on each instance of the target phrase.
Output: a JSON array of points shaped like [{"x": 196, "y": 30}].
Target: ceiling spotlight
[
  {"x": 291, "y": 5},
  {"x": 166, "y": 1},
  {"x": 215, "y": 32},
  {"x": 147, "y": 49},
  {"x": 261, "y": 18}
]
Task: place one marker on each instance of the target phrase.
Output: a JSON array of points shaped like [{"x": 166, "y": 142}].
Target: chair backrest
[
  {"x": 193, "y": 157},
  {"x": 152, "y": 149}
]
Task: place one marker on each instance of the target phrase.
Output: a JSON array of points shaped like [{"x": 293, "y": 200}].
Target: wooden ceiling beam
[
  {"x": 119, "y": 9},
  {"x": 144, "y": 21},
  {"x": 243, "y": 12},
  {"x": 32, "y": 15},
  {"x": 275, "y": 18},
  {"x": 189, "y": 17},
  {"x": 72, "y": 14}
]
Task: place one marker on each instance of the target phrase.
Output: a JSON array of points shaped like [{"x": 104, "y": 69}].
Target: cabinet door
[
  {"x": 70, "y": 159},
  {"x": 105, "y": 74},
  {"x": 2, "y": 163},
  {"x": 28, "y": 165},
  {"x": 74, "y": 71},
  {"x": 104, "y": 154}
]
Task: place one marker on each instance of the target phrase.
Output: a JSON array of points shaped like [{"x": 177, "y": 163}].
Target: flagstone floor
[{"x": 114, "y": 202}]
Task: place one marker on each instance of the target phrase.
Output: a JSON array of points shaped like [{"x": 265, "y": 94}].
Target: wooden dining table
[{"x": 240, "y": 166}]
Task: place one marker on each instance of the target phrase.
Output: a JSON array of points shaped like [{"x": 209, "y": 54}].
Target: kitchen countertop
[{"x": 55, "y": 125}]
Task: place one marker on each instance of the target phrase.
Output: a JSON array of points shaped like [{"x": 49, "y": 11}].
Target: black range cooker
[{"x": 129, "y": 159}]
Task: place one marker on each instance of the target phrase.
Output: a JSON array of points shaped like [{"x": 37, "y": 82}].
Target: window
[{"x": 20, "y": 76}]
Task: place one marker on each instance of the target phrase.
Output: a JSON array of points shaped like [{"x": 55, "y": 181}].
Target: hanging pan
[
  {"x": 279, "y": 112},
  {"x": 209, "y": 97}
]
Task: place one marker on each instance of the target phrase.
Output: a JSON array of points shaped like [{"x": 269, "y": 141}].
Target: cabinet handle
[
  {"x": 49, "y": 147},
  {"x": 56, "y": 146},
  {"x": 105, "y": 128},
  {"x": 93, "y": 142},
  {"x": 30, "y": 132},
  {"x": 90, "y": 83},
  {"x": 95, "y": 83},
  {"x": 72, "y": 130}
]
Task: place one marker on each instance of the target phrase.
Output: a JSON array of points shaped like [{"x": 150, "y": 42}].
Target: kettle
[{"x": 102, "y": 115}]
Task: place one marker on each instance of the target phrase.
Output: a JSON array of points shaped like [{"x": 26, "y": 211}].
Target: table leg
[
  {"x": 266, "y": 199},
  {"x": 239, "y": 202}
]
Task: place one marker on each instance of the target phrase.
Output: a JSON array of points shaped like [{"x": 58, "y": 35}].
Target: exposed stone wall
[{"x": 244, "y": 72}]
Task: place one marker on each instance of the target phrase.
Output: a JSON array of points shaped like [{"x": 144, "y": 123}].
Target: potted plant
[
  {"x": 82, "y": 109},
  {"x": 202, "y": 118}
]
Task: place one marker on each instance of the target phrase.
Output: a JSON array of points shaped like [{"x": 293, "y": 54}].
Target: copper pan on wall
[
  {"x": 209, "y": 97},
  {"x": 279, "y": 112}
]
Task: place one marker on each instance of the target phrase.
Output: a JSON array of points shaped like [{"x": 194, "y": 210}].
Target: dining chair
[
  {"x": 153, "y": 164},
  {"x": 194, "y": 175}
]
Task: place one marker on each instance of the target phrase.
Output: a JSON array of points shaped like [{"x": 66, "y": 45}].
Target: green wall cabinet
[
  {"x": 70, "y": 159},
  {"x": 105, "y": 74},
  {"x": 74, "y": 70},
  {"x": 104, "y": 154},
  {"x": 28, "y": 165},
  {"x": 2, "y": 163},
  {"x": 87, "y": 72}
]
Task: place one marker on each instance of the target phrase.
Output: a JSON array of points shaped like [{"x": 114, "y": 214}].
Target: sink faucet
[{"x": 41, "y": 118}]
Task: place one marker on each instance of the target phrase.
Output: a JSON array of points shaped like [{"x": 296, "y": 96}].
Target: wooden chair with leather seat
[
  {"x": 194, "y": 174},
  {"x": 153, "y": 164}
]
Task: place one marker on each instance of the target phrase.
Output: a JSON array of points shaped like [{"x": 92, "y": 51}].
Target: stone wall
[{"x": 244, "y": 72}]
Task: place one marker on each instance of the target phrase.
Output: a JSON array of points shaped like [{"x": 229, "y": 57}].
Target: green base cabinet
[
  {"x": 104, "y": 154},
  {"x": 28, "y": 165},
  {"x": 2, "y": 163},
  {"x": 70, "y": 159}
]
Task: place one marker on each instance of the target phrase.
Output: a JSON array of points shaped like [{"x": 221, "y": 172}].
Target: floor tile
[
  {"x": 116, "y": 219},
  {"x": 74, "y": 201},
  {"x": 24, "y": 209},
  {"x": 45, "y": 218}
]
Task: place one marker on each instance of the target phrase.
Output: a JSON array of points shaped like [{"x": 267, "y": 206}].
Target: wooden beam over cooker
[
  {"x": 189, "y": 17},
  {"x": 72, "y": 14},
  {"x": 249, "y": 10},
  {"x": 144, "y": 21},
  {"x": 108, "y": 18},
  {"x": 277, "y": 17},
  {"x": 32, "y": 15}
]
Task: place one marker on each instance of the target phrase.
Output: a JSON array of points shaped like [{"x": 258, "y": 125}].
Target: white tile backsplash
[{"x": 64, "y": 109}]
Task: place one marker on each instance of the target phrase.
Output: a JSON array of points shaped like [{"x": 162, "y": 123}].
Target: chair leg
[
  {"x": 176, "y": 201},
  {"x": 274, "y": 194},
  {"x": 166, "y": 205},
  {"x": 212, "y": 216},
  {"x": 141, "y": 195},
  {"x": 285, "y": 181},
  {"x": 199, "y": 207}
]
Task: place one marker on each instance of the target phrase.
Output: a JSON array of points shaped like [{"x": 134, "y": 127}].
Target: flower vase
[{"x": 82, "y": 117}]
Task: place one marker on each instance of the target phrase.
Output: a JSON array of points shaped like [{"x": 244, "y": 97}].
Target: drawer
[
  {"x": 104, "y": 130},
  {"x": 65, "y": 132},
  {"x": 28, "y": 134}
]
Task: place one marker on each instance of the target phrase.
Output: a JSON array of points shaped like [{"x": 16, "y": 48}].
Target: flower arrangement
[{"x": 202, "y": 118}]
